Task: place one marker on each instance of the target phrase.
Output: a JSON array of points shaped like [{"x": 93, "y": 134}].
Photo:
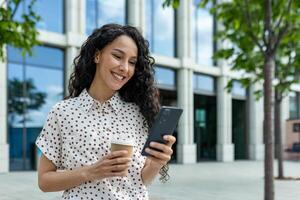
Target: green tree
[
  {"x": 20, "y": 34},
  {"x": 264, "y": 35}
]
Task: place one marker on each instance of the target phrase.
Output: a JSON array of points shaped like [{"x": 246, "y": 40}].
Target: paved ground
[{"x": 202, "y": 181}]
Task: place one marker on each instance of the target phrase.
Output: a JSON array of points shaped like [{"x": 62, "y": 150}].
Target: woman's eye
[
  {"x": 117, "y": 56},
  {"x": 132, "y": 63}
]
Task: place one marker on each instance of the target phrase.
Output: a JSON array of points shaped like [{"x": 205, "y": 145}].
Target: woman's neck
[{"x": 100, "y": 93}]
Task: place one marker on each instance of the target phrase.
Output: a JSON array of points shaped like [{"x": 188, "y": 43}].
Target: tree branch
[
  {"x": 280, "y": 35},
  {"x": 282, "y": 30},
  {"x": 282, "y": 14},
  {"x": 15, "y": 9},
  {"x": 267, "y": 24},
  {"x": 248, "y": 18}
]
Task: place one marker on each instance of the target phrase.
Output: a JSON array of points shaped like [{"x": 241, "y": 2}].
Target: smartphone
[{"x": 164, "y": 124}]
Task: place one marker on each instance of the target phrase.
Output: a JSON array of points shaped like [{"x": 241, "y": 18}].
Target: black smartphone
[{"x": 164, "y": 124}]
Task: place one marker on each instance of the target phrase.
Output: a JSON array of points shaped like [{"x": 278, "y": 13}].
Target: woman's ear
[{"x": 97, "y": 57}]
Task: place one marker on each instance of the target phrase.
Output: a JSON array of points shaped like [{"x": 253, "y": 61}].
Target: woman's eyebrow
[{"x": 121, "y": 51}]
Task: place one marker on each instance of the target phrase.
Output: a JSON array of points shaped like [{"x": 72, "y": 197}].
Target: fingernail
[{"x": 151, "y": 143}]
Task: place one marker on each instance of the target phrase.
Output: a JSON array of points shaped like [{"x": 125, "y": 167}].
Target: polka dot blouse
[{"x": 78, "y": 132}]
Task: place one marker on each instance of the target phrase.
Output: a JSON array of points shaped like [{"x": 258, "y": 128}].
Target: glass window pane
[
  {"x": 46, "y": 56},
  {"x": 160, "y": 28},
  {"x": 204, "y": 82},
  {"x": 237, "y": 89},
  {"x": 14, "y": 54},
  {"x": 33, "y": 90},
  {"x": 15, "y": 93},
  {"x": 203, "y": 35},
  {"x": 103, "y": 12},
  {"x": 49, "y": 83},
  {"x": 293, "y": 105},
  {"x": 165, "y": 76},
  {"x": 52, "y": 16},
  {"x": 91, "y": 16}
]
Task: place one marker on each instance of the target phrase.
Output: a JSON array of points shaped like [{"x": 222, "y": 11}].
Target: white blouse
[{"x": 78, "y": 132}]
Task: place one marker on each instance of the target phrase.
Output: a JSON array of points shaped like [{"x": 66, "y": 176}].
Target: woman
[{"x": 112, "y": 94}]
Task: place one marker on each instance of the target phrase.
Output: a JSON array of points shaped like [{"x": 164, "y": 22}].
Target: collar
[{"x": 86, "y": 101}]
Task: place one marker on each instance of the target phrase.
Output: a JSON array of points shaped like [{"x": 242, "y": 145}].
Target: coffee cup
[{"x": 118, "y": 145}]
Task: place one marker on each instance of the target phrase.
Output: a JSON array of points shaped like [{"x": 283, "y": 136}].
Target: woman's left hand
[{"x": 160, "y": 158}]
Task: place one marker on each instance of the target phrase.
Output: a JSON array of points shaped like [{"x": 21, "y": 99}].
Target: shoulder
[{"x": 65, "y": 105}]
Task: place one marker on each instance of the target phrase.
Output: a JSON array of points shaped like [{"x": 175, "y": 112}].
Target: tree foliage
[{"x": 19, "y": 33}]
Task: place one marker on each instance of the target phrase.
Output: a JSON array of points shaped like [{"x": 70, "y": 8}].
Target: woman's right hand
[{"x": 111, "y": 165}]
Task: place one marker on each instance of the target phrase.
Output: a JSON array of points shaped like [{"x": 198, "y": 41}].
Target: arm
[
  {"x": 157, "y": 159},
  {"x": 50, "y": 180}
]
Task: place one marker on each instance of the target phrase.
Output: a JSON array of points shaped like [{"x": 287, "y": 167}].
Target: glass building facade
[
  {"x": 51, "y": 13},
  {"x": 215, "y": 124},
  {"x": 100, "y": 12},
  {"x": 203, "y": 32},
  {"x": 35, "y": 84},
  {"x": 160, "y": 29}
]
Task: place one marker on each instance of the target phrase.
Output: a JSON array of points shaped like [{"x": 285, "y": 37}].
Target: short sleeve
[{"x": 49, "y": 140}]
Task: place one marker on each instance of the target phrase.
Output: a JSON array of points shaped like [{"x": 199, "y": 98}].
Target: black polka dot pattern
[{"x": 78, "y": 132}]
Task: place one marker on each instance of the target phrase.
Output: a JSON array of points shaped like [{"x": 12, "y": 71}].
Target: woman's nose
[{"x": 124, "y": 66}]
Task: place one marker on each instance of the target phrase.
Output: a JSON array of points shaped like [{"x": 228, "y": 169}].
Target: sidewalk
[{"x": 203, "y": 181}]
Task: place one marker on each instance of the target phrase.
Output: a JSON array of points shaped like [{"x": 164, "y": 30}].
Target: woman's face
[{"x": 116, "y": 63}]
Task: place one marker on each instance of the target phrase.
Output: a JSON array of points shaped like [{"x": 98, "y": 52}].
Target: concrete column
[
  {"x": 4, "y": 147},
  {"x": 256, "y": 146},
  {"x": 183, "y": 30},
  {"x": 225, "y": 148},
  {"x": 136, "y": 14},
  {"x": 75, "y": 29},
  {"x": 71, "y": 53},
  {"x": 81, "y": 10},
  {"x": 285, "y": 115},
  {"x": 186, "y": 149}
]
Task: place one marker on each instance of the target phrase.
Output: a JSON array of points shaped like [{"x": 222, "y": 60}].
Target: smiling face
[{"x": 115, "y": 64}]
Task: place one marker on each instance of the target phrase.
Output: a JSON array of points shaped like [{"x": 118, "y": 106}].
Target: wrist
[
  {"x": 84, "y": 174},
  {"x": 154, "y": 165}
]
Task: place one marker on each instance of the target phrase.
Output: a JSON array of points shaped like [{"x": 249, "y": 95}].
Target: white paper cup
[{"x": 117, "y": 145}]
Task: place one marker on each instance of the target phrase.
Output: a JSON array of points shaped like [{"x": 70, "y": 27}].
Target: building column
[
  {"x": 4, "y": 147},
  {"x": 256, "y": 146},
  {"x": 75, "y": 31},
  {"x": 186, "y": 149},
  {"x": 225, "y": 148},
  {"x": 285, "y": 115},
  {"x": 70, "y": 53},
  {"x": 136, "y": 14}
]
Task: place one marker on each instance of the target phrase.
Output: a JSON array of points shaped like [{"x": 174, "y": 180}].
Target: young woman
[{"x": 111, "y": 94}]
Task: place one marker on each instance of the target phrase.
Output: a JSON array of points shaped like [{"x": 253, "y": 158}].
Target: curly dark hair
[{"x": 139, "y": 89}]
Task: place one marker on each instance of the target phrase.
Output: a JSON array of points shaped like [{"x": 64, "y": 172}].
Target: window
[
  {"x": 160, "y": 30},
  {"x": 294, "y": 105},
  {"x": 51, "y": 13},
  {"x": 203, "y": 28},
  {"x": 35, "y": 84},
  {"x": 204, "y": 83},
  {"x": 238, "y": 90},
  {"x": 100, "y": 12},
  {"x": 165, "y": 77}
]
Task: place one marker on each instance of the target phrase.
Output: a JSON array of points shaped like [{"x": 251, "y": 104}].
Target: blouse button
[{"x": 107, "y": 129}]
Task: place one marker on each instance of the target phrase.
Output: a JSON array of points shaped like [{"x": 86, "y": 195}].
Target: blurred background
[{"x": 217, "y": 125}]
